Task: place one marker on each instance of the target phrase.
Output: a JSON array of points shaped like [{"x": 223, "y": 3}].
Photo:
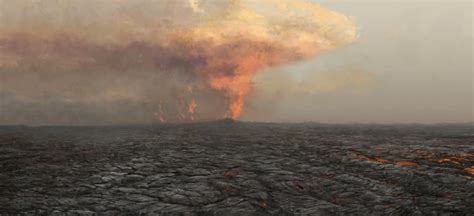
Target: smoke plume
[{"x": 117, "y": 61}]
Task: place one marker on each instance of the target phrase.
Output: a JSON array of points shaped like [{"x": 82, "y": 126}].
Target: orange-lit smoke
[
  {"x": 215, "y": 46},
  {"x": 241, "y": 41}
]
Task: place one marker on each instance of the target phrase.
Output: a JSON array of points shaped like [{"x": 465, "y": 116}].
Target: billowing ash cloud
[{"x": 118, "y": 61}]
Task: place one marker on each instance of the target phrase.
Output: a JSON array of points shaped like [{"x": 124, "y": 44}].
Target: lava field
[{"x": 237, "y": 168}]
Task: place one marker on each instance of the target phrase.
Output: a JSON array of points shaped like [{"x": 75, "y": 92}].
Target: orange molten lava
[
  {"x": 470, "y": 170},
  {"x": 406, "y": 163}
]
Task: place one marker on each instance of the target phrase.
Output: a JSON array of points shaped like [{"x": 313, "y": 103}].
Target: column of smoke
[{"x": 93, "y": 62}]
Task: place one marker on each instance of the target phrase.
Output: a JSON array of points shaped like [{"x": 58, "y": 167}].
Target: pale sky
[{"x": 414, "y": 57}]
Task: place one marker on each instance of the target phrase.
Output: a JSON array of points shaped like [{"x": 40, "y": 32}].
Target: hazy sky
[
  {"x": 412, "y": 62},
  {"x": 142, "y": 61}
]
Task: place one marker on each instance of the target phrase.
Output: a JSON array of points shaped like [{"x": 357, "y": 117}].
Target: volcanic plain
[{"x": 237, "y": 168}]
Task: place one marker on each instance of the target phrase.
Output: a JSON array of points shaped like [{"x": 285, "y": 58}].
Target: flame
[
  {"x": 236, "y": 88},
  {"x": 191, "y": 109},
  {"x": 159, "y": 114},
  {"x": 235, "y": 84},
  {"x": 162, "y": 117}
]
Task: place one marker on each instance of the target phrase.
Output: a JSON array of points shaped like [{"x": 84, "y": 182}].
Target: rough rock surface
[{"x": 236, "y": 168}]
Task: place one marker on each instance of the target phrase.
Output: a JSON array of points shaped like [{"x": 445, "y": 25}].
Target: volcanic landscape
[{"x": 238, "y": 168}]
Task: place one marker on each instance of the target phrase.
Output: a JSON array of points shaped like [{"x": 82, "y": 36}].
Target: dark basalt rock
[{"x": 228, "y": 167}]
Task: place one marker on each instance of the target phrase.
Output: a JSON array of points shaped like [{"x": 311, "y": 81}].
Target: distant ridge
[
  {"x": 225, "y": 121},
  {"x": 222, "y": 122},
  {"x": 230, "y": 121}
]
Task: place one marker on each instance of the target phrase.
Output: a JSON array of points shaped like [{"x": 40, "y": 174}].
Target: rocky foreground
[{"x": 236, "y": 168}]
